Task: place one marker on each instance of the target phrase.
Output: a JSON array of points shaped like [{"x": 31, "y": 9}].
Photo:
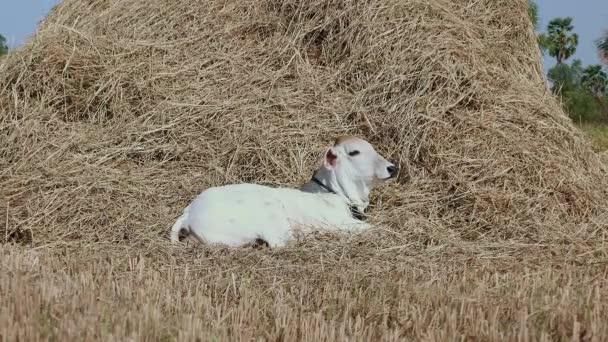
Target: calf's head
[{"x": 354, "y": 168}]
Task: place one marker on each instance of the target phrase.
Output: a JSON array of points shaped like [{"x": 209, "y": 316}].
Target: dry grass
[
  {"x": 118, "y": 112},
  {"x": 338, "y": 290}
]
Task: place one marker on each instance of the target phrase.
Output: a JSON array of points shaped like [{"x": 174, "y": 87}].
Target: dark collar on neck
[
  {"x": 328, "y": 189},
  {"x": 354, "y": 211}
]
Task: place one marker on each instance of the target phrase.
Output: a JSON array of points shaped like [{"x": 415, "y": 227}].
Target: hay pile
[{"x": 117, "y": 113}]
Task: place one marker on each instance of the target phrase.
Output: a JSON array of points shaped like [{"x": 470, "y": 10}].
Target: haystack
[{"x": 117, "y": 113}]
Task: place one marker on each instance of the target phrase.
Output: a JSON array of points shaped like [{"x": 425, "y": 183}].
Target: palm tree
[
  {"x": 533, "y": 12},
  {"x": 3, "y": 47},
  {"x": 602, "y": 47},
  {"x": 595, "y": 80},
  {"x": 561, "y": 42},
  {"x": 535, "y": 18}
]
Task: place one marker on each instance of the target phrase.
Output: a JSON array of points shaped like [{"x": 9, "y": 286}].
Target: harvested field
[{"x": 117, "y": 113}]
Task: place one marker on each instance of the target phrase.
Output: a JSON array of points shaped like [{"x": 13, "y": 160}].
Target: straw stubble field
[{"x": 116, "y": 113}]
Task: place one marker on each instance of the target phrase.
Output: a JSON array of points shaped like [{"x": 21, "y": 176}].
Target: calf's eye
[{"x": 353, "y": 153}]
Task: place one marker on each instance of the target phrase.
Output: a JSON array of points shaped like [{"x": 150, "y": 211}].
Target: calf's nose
[{"x": 392, "y": 170}]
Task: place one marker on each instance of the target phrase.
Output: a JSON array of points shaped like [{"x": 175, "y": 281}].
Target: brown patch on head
[{"x": 344, "y": 138}]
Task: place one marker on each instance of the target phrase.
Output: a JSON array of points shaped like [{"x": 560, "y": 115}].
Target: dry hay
[{"x": 117, "y": 113}]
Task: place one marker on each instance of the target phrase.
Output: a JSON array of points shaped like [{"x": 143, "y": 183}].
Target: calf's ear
[{"x": 330, "y": 159}]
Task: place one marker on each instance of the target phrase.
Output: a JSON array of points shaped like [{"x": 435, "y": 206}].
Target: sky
[{"x": 19, "y": 18}]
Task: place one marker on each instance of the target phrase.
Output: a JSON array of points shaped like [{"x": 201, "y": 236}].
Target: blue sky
[{"x": 19, "y": 18}]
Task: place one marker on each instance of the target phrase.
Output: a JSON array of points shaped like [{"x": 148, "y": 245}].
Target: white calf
[{"x": 335, "y": 198}]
